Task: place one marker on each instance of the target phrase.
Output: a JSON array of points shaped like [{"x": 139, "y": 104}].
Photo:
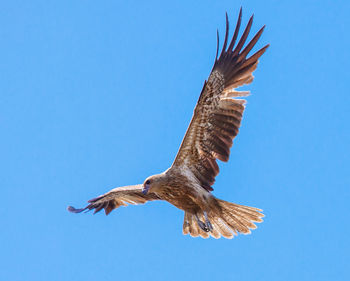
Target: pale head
[{"x": 153, "y": 183}]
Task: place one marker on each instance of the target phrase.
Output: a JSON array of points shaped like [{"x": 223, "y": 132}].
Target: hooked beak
[{"x": 145, "y": 189}]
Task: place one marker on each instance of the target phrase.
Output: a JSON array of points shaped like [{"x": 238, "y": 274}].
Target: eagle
[{"x": 187, "y": 184}]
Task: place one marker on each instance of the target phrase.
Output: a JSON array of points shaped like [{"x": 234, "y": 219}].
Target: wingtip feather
[{"x": 71, "y": 209}]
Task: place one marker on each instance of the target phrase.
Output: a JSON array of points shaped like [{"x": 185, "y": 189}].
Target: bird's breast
[{"x": 186, "y": 197}]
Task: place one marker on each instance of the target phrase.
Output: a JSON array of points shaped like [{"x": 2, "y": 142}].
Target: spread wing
[
  {"x": 117, "y": 197},
  {"x": 218, "y": 113}
]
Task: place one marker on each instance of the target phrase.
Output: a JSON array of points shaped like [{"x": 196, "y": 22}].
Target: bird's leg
[
  {"x": 207, "y": 222},
  {"x": 201, "y": 224}
]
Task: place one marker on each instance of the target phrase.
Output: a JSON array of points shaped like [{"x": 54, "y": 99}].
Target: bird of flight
[{"x": 187, "y": 184}]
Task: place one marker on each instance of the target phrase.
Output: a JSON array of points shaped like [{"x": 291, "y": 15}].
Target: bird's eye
[{"x": 147, "y": 182}]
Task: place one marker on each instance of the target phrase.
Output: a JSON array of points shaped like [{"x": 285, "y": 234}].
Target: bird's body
[
  {"x": 180, "y": 188},
  {"x": 187, "y": 184}
]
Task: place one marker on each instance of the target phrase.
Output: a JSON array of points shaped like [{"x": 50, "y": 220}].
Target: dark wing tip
[
  {"x": 234, "y": 59},
  {"x": 93, "y": 200},
  {"x": 74, "y": 210},
  {"x": 94, "y": 204},
  {"x": 217, "y": 45},
  {"x": 226, "y": 37}
]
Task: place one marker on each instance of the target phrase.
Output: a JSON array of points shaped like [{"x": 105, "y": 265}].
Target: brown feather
[
  {"x": 251, "y": 44},
  {"x": 217, "y": 116},
  {"x": 235, "y": 34},
  {"x": 117, "y": 197}
]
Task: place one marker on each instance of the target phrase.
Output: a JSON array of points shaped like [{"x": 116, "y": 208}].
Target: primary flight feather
[{"x": 187, "y": 184}]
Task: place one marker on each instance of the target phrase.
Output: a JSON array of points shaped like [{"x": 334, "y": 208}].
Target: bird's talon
[{"x": 210, "y": 227}]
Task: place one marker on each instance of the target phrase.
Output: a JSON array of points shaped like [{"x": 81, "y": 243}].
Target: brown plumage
[{"x": 187, "y": 184}]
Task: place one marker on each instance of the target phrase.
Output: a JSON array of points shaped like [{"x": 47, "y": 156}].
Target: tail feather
[
  {"x": 186, "y": 224},
  {"x": 236, "y": 224},
  {"x": 229, "y": 221},
  {"x": 191, "y": 227},
  {"x": 250, "y": 215},
  {"x": 216, "y": 230},
  {"x": 222, "y": 228}
]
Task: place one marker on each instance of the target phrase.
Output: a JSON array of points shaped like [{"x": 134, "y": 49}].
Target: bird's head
[{"x": 152, "y": 183}]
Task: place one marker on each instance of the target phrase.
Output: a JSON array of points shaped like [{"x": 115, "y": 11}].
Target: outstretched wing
[
  {"x": 120, "y": 196},
  {"x": 218, "y": 113}
]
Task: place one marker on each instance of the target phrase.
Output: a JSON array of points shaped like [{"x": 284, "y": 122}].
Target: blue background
[{"x": 98, "y": 94}]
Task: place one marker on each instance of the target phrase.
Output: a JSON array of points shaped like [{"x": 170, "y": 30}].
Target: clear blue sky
[{"x": 98, "y": 94}]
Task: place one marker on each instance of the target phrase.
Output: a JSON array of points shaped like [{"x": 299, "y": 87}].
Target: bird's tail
[{"x": 228, "y": 220}]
